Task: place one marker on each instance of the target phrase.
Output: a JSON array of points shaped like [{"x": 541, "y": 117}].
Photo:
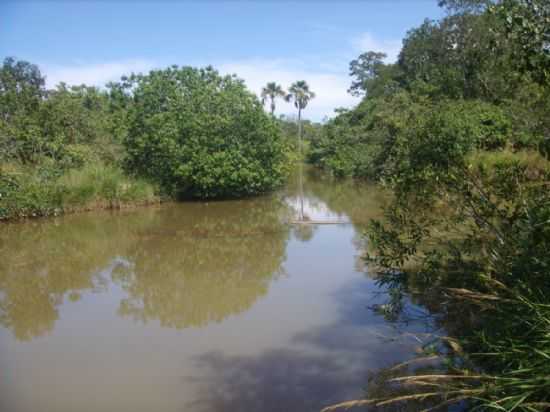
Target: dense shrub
[
  {"x": 28, "y": 194},
  {"x": 203, "y": 135},
  {"x": 382, "y": 134},
  {"x": 60, "y": 148}
]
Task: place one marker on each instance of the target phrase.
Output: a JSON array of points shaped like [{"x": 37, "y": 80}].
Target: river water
[{"x": 195, "y": 306}]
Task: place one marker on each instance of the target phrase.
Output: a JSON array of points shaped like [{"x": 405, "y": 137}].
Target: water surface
[{"x": 219, "y": 306}]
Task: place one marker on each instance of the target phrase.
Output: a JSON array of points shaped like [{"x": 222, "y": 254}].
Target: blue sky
[{"x": 263, "y": 40}]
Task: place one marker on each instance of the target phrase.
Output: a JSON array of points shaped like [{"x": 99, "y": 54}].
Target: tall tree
[
  {"x": 21, "y": 93},
  {"x": 21, "y": 87},
  {"x": 300, "y": 94},
  {"x": 364, "y": 69},
  {"x": 271, "y": 91}
]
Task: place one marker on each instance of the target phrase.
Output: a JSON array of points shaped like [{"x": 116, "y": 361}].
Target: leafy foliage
[
  {"x": 458, "y": 130},
  {"x": 527, "y": 23},
  {"x": 47, "y": 136},
  {"x": 272, "y": 91},
  {"x": 191, "y": 131},
  {"x": 365, "y": 68},
  {"x": 470, "y": 56},
  {"x": 202, "y": 135}
]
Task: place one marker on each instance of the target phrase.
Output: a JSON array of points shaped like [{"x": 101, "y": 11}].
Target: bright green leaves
[
  {"x": 203, "y": 135},
  {"x": 527, "y": 23}
]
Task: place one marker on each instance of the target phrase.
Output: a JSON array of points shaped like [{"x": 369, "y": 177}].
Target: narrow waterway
[{"x": 219, "y": 306}]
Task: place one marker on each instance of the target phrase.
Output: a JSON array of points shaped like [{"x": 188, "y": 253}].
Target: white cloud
[
  {"x": 330, "y": 87},
  {"x": 330, "y": 83},
  {"x": 327, "y": 77},
  {"x": 93, "y": 74},
  {"x": 368, "y": 42}
]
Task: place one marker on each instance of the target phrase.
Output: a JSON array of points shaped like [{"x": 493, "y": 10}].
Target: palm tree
[
  {"x": 301, "y": 95},
  {"x": 272, "y": 90}
]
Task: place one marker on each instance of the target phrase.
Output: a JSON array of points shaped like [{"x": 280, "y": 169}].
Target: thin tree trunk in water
[
  {"x": 300, "y": 132},
  {"x": 272, "y": 107},
  {"x": 301, "y": 192},
  {"x": 301, "y": 165}
]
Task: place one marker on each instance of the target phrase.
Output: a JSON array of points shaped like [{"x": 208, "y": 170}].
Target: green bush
[
  {"x": 479, "y": 237},
  {"x": 199, "y": 134},
  {"x": 28, "y": 194},
  {"x": 77, "y": 155}
]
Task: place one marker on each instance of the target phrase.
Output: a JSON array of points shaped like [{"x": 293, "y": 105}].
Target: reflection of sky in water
[
  {"x": 314, "y": 209},
  {"x": 197, "y": 307}
]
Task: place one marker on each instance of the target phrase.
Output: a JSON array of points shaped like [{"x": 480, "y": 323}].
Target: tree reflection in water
[
  {"x": 203, "y": 262},
  {"x": 184, "y": 264},
  {"x": 46, "y": 262}
]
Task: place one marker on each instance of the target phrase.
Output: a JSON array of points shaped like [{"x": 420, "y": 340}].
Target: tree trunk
[
  {"x": 300, "y": 132},
  {"x": 301, "y": 183}
]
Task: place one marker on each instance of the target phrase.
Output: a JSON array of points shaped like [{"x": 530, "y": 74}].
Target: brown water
[{"x": 219, "y": 306}]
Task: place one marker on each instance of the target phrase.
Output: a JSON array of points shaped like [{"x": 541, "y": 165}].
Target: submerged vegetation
[{"x": 459, "y": 130}]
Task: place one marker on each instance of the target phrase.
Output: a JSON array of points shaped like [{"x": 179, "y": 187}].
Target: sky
[{"x": 93, "y": 42}]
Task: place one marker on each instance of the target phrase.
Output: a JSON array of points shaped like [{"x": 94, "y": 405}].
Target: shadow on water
[{"x": 330, "y": 363}]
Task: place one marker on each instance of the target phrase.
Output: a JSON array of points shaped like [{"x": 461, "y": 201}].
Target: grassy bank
[{"x": 45, "y": 191}]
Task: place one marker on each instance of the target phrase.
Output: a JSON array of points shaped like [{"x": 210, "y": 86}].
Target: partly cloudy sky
[{"x": 94, "y": 42}]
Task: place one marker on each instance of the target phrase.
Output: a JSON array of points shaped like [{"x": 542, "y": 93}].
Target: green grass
[
  {"x": 26, "y": 192},
  {"x": 103, "y": 186}
]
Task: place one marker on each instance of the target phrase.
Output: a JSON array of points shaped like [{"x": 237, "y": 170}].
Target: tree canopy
[
  {"x": 200, "y": 134},
  {"x": 272, "y": 91}
]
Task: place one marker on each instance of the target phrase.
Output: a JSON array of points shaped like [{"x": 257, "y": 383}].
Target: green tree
[
  {"x": 21, "y": 92},
  {"x": 363, "y": 70},
  {"x": 465, "y": 6},
  {"x": 200, "y": 134},
  {"x": 300, "y": 94},
  {"x": 527, "y": 23},
  {"x": 461, "y": 140},
  {"x": 272, "y": 91}
]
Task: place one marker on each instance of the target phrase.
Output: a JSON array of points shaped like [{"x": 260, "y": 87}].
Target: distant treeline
[{"x": 458, "y": 128}]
